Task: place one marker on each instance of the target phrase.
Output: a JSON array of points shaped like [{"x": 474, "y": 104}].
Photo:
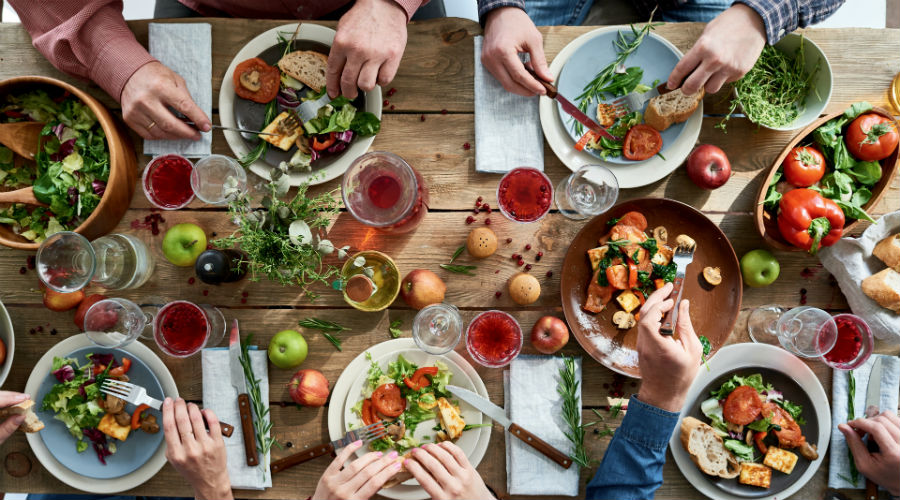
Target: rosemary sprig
[
  {"x": 394, "y": 328},
  {"x": 597, "y": 413},
  {"x": 324, "y": 327},
  {"x": 263, "y": 424},
  {"x": 568, "y": 389},
  {"x": 615, "y": 409},
  {"x": 851, "y": 395},
  {"x": 457, "y": 253},
  {"x": 262, "y": 146},
  {"x": 459, "y": 269}
]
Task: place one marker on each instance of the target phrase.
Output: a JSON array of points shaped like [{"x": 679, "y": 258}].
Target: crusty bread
[
  {"x": 306, "y": 66},
  {"x": 884, "y": 288},
  {"x": 671, "y": 107},
  {"x": 707, "y": 449},
  {"x": 402, "y": 475},
  {"x": 888, "y": 250},
  {"x": 31, "y": 424}
]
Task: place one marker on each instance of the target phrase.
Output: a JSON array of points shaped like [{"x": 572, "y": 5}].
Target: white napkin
[
  {"x": 839, "y": 464},
  {"x": 507, "y": 126},
  {"x": 531, "y": 401},
  {"x": 186, "y": 49},
  {"x": 850, "y": 261},
  {"x": 221, "y": 397}
]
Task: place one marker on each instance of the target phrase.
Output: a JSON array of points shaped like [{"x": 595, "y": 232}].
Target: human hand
[
  {"x": 444, "y": 472},
  {"x": 727, "y": 49},
  {"x": 198, "y": 455},
  {"x": 367, "y": 48},
  {"x": 668, "y": 363},
  {"x": 359, "y": 480},
  {"x": 508, "y": 31},
  {"x": 880, "y": 466},
  {"x": 9, "y": 426},
  {"x": 145, "y": 97}
]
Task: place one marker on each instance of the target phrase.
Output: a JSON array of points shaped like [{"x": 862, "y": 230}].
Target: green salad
[{"x": 73, "y": 399}]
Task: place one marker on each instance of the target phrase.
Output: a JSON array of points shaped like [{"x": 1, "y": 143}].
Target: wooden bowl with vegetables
[{"x": 848, "y": 158}]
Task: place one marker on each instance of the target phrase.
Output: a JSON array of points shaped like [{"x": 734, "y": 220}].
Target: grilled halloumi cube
[
  {"x": 780, "y": 460},
  {"x": 596, "y": 255},
  {"x": 450, "y": 419},
  {"x": 284, "y": 138},
  {"x": 662, "y": 256},
  {"x": 111, "y": 428},
  {"x": 606, "y": 114},
  {"x": 755, "y": 475},
  {"x": 629, "y": 301}
]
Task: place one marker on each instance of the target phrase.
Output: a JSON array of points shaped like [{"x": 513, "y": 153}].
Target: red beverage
[
  {"x": 381, "y": 190},
  {"x": 854, "y": 343},
  {"x": 181, "y": 328},
  {"x": 494, "y": 338},
  {"x": 384, "y": 191},
  {"x": 167, "y": 182},
  {"x": 524, "y": 194}
]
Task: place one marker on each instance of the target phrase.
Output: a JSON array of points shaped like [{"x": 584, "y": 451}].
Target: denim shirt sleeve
[
  {"x": 632, "y": 466},
  {"x": 784, "y": 16},
  {"x": 485, "y": 6}
]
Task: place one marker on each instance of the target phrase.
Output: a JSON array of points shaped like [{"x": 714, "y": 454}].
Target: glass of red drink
[
  {"x": 167, "y": 182},
  {"x": 854, "y": 343},
  {"x": 524, "y": 194},
  {"x": 381, "y": 190},
  {"x": 182, "y": 328},
  {"x": 494, "y": 338}
]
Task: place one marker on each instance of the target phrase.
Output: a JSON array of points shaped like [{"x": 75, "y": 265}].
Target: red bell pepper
[
  {"x": 418, "y": 380},
  {"x": 758, "y": 439},
  {"x": 325, "y": 144},
  {"x": 808, "y": 220},
  {"x": 632, "y": 274},
  {"x": 136, "y": 417},
  {"x": 121, "y": 370},
  {"x": 585, "y": 139}
]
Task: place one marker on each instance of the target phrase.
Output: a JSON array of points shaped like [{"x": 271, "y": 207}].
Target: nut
[
  {"x": 683, "y": 240},
  {"x": 482, "y": 242},
  {"x": 623, "y": 320},
  {"x": 660, "y": 235},
  {"x": 524, "y": 289},
  {"x": 712, "y": 275}
]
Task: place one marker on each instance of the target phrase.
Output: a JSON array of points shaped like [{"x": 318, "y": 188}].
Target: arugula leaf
[{"x": 794, "y": 409}]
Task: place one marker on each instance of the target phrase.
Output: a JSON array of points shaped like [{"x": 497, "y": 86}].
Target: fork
[
  {"x": 684, "y": 255},
  {"x": 184, "y": 119},
  {"x": 137, "y": 396},
  {"x": 635, "y": 100},
  {"x": 367, "y": 434}
]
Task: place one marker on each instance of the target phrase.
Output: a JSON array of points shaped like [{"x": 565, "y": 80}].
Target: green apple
[
  {"x": 759, "y": 268},
  {"x": 183, "y": 243},
  {"x": 287, "y": 349}
]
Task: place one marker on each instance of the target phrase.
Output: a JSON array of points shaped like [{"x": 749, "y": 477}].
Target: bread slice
[
  {"x": 306, "y": 66},
  {"x": 402, "y": 475},
  {"x": 888, "y": 250},
  {"x": 884, "y": 288},
  {"x": 671, "y": 107},
  {"x": 32, "y": 423},
  {"x": 707, "y": 449}
]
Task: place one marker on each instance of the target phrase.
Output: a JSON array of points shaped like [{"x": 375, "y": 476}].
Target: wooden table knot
[
  {"x": 454, "y": 36},
  {"x": 17, "y": 464}
]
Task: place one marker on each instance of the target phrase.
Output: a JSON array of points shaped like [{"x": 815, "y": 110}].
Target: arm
[
  {"x": 485, "y": 6},
  {"x": 198, "y": 455},
  {"x": 782, "y": 17},
  {"x": 879, "y": 466}
]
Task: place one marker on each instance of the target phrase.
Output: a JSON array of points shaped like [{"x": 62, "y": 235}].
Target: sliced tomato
[
  {"x": 597, "y": 296},
  {"x": 632, "y": 274},
  {"x": 789, "y": 435},
  {"x": 641, "y": 142},
  {"x": 872, "y": 137},
  {"x": 804, "y": 166},
  {"x": 742, "y": 406},
  {"x": 634, "y": 219},
  {"x": 418, "y": 379},
  {"x": 325, "y": 143},
  {"x": 617, "y": 276},
  {"x": 136, "y": 417},
  {"x": 269, "y": 80},
  {"x": 585, "y": 139},
  {"x": 121, "y": 370},
  {"x": 388, "y": 401},
  {"x": 758, "y": 438},
  {"x": 368, "y": 412}
]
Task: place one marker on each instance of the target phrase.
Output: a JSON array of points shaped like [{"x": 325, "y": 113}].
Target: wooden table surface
[{"x": 431, "y": 122}]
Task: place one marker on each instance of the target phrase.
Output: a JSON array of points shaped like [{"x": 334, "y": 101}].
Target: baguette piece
[
  {"x": 402, "y": 475},
  {"x": 707, "y": 449},
  {"x": 888, "y": 250},
  {"x": 671, "y": 107},
  {"x": 31, "y": 424},
  {"x": 884, "y": 287},
  {"x": 307, "y": 67}
]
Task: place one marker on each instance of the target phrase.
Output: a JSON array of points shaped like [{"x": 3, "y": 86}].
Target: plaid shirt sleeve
[
  {"x": 485, "y": 6},
  {"x": 784, "y": 16}
]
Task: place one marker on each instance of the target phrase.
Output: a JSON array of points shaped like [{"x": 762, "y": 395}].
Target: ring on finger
[{"x": 151, "y": 125}]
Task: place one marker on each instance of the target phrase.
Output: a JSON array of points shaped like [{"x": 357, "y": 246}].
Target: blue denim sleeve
[
  {"x": 485, "y": 6},
  {"x": 784, "y": 16},
  {"x": 632, "y": 466}
]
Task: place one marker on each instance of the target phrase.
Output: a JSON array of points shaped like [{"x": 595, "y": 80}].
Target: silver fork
[
  {"x": 367, "y": 434},
  {"x": 684, "y": 255},
  {"x": 634, "y": 101}
]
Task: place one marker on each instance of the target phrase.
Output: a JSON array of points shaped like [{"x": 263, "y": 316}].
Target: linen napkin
[
  {"x": 507, "y": 126},
  {"x": 839, "y": 464},
  {"x": 850, "y": 261},
  {"x": 531, "y": 401},
  {"x": 221, "y": 397},
  {"x": 186, "y": 49}
]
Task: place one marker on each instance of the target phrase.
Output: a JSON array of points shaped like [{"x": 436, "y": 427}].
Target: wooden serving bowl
[
  {"x": 766, "y": 223},
  {"x": 122, "y": 160}
]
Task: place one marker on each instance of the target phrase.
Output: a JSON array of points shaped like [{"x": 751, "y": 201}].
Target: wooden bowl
[
  {"x": 766, "y": 224},
  {"x": 122, "y": 159},
  {"x": 714, "y": 310}
]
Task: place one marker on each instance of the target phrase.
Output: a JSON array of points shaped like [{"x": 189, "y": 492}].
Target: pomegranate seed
[
  {"x": 191, "y": 280},
  {"x": 245, "y": 294},
  {"x": 549, "y": 274},
  {"x": 537, "y": 258},
  {"x": 40, "y": 329},
  {"x": 477, "y": 205},
  {"x": 508, "y": 240},
  {"x": 205, "y": 293},
  {"x": 161, "y": 219},
  {"x": 386, "y": 102},
  {"x": 467, "y": 146},
  {"x": 480, "y": 199},
  {"x": 498, "y": 294},
  {"x": 243, "y": 301},
  {"x": 475, "y": 210},
  {"x": 392, "y": 91},
  {"x": 497, "y": 271},
  {"x": 392, "y": 106},
  {"x": 470, "y": 219},
  {"x": 528, "y": 267},
  {"x": 520, "y": 262},
  {"x": 422, "y": 118},
  {"x": 540, "y": 254},
  {"x": 487, "y": 221},
  {"x": 22, "y": 270},
  {"x": 527, "y": 247},
  {"x": 444, "y": 111}
]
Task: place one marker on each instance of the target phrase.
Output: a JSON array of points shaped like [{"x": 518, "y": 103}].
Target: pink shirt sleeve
[
  {"x": 85, "y": 38},
  {"x": 410, "y": 6}
]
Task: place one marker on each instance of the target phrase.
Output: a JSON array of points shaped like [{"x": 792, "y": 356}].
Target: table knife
[
  {"x": 498, "y": 415},
  {"x": 240, "y": 383},
  {"x": 571, "y": 109},
  {"x": 873, "y": 407}
]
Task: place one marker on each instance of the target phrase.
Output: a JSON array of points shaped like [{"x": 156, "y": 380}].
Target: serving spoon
[
  {"x": 21, "y": 137},
  {"x": 24, "y": 195}
]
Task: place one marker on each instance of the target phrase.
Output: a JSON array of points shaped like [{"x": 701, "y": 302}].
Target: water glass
[
  {"x": 437, "y": 328},
  {"x": 66, "y": 262},
  {"x": 214, "y": 177},
  {"x": 115, "y": 323},
  {"x": 807, "y": 331},
  {"x": 589, "y": 191}
]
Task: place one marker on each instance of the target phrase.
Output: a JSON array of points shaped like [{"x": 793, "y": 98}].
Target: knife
[
  {"x": 571, "y": 109},
  {"x": 240, "y": 383},
  {"x": 498, "y": 415},
  {"x": 873, "y": 404}
]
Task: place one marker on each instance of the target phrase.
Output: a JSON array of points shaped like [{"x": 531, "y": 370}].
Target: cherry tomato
[
  {"x": 325, "y": 143},
  {"x": 872, "y": 137},
  {"x": 641, "y": 142},
  {"x": 585, "y": 139},
  {"x": 617, "y": 276},
  {"x": 388, "y": 401},
  {"x": 634, "y": 219},
  {"x": 804, "y": 166},
  {"x": 269, "y": 80},
  {"x": 121, "y": 370},
  {"x": 742, "y": 406}
]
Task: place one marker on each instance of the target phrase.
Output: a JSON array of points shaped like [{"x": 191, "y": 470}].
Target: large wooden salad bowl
[{"x": 123, "y": 164}]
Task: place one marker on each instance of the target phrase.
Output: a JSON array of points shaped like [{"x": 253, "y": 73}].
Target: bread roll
[
  {"x": 31, "y": 424},
  {"x": 888, "y": 250},
  {"x": 884, "y": 288},
  {"x": 402, "y": 475},
  {"x": 707, "y": 449},
  {"x": 671, "y": 107}
]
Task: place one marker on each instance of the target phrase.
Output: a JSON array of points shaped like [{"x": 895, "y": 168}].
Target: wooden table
[{"x": 431, "y": 122}]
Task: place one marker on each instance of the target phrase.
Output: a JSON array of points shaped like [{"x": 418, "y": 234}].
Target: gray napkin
[
  {"x": 532, "y": 402},
  {"x": 221, "y": 397},
  {"x": 850, "y": 261},
  {"x": 507, "y": 126},
  {"x": 187, "y": 50},
  {"x": 839, "y": 464}
]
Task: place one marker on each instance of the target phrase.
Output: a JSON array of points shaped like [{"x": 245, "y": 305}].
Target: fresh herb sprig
[
  {"x": 394, "y": 328},
  {"x": 263, "y": 424},
  {"x": 457, "y": 253},
  {"x": 325, "y": 327},
  {"x": 707, "y": 347},
  {"x": 851, "y": 411},
  {"x": 615, "y": 409},
  {"x": 571, "y": 409},
  {"x": 459, "y": 269}
]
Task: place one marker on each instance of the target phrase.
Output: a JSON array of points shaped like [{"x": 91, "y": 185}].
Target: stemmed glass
[
  {"x": 805, "y": 331},
  {"x": 66, "y": 262},
  {"x": 589, "y": 191},
  {"x": 115, "y": 322},
  {"x": 437, "y": 328}
]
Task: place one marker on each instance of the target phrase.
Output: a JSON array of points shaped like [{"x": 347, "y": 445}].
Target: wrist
[
  {"x": 751, "y": 17},
  {"x": 219, "y": 491},
  {"x": 661, "y": 399},
  {"x": 500, "y": 11},
  {"x": 393, "y": 7}
]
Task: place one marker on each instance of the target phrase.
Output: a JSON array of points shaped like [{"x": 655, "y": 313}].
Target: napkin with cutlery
[
  {"x": 533, "y": 403},
  {"x": 186, "y": 49},
  {"x": 507, "y": 126},
  {"x": 221, "y": 397},
  {"x": 839, "y": 464}
]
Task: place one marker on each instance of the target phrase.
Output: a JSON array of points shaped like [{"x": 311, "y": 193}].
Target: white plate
[
  {"x": 749, "y": 355},
  {"x": 266, "y": 40},
  {"x": 342, "y": 388},
  {"x": 8, "y": 336},
  {"x": 629, "y": 176},
  {"x": 98, "y": 486}
]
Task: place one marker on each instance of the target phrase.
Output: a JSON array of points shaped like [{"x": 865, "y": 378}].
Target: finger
[
  {"x": 425, "y": 479},
  {"x": 539, "y": 61},
  {"x": 876, "y": 431},
  {"x": 9, "y": 398},
  {"x": 715, "y": 82},
  {"x": 197, "y": 425},
  {"x": 499, "y": 71},
  {"x": 170, "y": 428},
  {"x": 437, "y": 470},
  {"x": 686, "y": 334},
  {"x": 861, "y": 455},
  {"x": 342, "y": 457},
  {"x": 180, "y": 99},
  {"x": 517, "y": 72},
  {"x": 169, "y": 127},
  {"x": 657, "y": 297},
  {"x": 893, "y": 417},
  {"x": 143, "y": 124},
  {"x": 654, "y": 314},
  {"x": 697, "y": 79},
  {"x": 377, "y": 481},
  {"x": 367, "y": 473},
  {"x": 388, "y": 70},
  {"x": 9, "y": 426},
  {"x": 349, "y": 77},
  {"x": 368, "y": 75},
  {"x": 685, "y": 66},
  {"x": 183, "y": 423},
  {"x": 889, "y": 426},
  {"x": 336, "y": 61},
  {"x": 351, "y": 473},
  {"x": 457, "y": 453},
  {"x": 444, "y": 457},
  {"x": 212, "y": 422}
]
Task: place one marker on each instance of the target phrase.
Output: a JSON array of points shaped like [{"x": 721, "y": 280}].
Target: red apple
[
  {"x": 58, "y": 301},
  {"x": 421, "y": 288},
  {"x": 708, "y": 166},
  {"x": 309, "y": 388},
  {"x": 549, "y": 334},
  {"x": 83, "y": 307}
]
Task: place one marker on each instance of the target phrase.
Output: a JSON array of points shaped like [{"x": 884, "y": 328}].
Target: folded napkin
[
  {"x": 507, "y": 126},
  {"x": 850, "y": 261},
  {"x": 839, "y": 464},
  {"x": 221, "y": 397},
  {"x": 187, "y": 50},
  {"x": 531, "y": 401}
]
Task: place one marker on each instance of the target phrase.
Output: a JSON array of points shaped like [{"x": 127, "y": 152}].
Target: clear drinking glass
[
  {"x": 383, "y": 191},
  {"x": 182, "y": 328},
  {"x": 807, "y": 331},
  {"x": 115, "y": 322},
  {"x": 209, "y": 178},
  {"x": 437, "y": 328},
  {"x": 67, "y": 261},
  {"x": 761, "y": 324},
  {"x": 589, "y": 191},
  {"x": 494, "y": 338}
]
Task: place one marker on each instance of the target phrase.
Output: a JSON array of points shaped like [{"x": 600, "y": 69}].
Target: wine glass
[
  {"x": 806, "y": 331},
  {"x": 182, "y": 328},
  {"x": 66, "y": 262},
  {"x": 213, "y": 178},
  {"x": 437, "y": 328},
  {"x": 761, "y": 324},
  {"x": 115, "y": 322},
  {"x": 589, "y": 191}
]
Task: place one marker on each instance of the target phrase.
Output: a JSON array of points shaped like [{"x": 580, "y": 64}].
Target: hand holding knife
[
  {"x": 243, "y": 399},
  {"x": 571, "y": 109}
]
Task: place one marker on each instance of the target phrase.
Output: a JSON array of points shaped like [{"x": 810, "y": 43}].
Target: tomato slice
[
  {"x": 121, "y": 370},
  {"x": 269, "y": 80},
  {"x": 585, "y": 139},
  {"x": 368, "y": 412},
  {"x": 641, "y": 142},
  {"x": 634, "y": 219},
  {"x": 324, "y": 143},
  {"x": 388, "y": 401},
  {"x": 617, "y": 276},
  {"x": 742, "y": 406},
  {"x": 632, "y": 274},
  {"x": 758, "y": 439}
]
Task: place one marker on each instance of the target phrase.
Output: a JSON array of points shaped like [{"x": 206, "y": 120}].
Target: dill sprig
[
  {"x": 263, "y": 424},
  {"x": 568, "y": 389},
  {"x": 325, "y": 327}
]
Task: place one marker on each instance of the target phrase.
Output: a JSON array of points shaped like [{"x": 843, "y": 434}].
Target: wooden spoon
[
  {"x": 24, "y": 195},
  {"x": 21, "y": 137}
]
